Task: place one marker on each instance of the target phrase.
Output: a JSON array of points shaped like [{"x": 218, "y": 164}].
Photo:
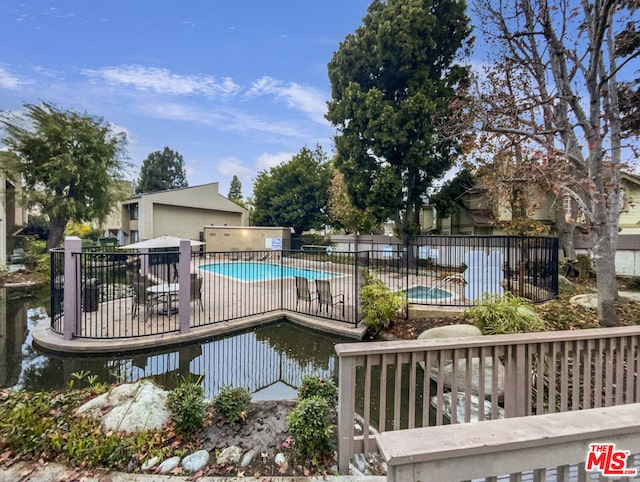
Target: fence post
[
  {"x": 72, "y": 244},
  {"x": 184, "y": 294},
  {"x": 144, "y": 262},
  {"x": 346, "y": 407}
]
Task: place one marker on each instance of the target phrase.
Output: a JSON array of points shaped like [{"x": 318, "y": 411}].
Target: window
[
  {"x": 133, "y": 211},
  {"x": 134, "y": 236}
]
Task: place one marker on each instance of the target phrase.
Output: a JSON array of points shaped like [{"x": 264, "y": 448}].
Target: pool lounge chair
[
  {"x": 248, "y": 254},
  {"x": 234, "y": 255},
  {"x": 326, "y": 298},
  {"x": 302, "y": 291},
  {"x": 264, "y": 257}
]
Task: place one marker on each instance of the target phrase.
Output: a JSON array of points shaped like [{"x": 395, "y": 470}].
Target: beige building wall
[
  {"x": 13, "y": 216},
  {"x": 629, "y": 222},
  {"x": 188, "y": 222},
  {"x": 242, "y": 238},
  {"x": 181, "y": 212}
]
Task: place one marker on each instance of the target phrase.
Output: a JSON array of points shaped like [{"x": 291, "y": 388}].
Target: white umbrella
[{"x": 161, "y": 242}]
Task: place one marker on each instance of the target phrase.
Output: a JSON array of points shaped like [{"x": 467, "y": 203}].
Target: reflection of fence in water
[{"x": 239, "y": 361}]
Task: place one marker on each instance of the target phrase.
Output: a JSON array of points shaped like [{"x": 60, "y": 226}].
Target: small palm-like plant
[{"x": 497, "y": 315}]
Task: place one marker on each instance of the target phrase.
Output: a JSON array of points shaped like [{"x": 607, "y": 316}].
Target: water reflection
[{"x": 269, "y": 361}]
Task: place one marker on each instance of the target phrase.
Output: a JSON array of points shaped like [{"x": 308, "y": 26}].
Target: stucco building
[{"x": 177, "y": 212}]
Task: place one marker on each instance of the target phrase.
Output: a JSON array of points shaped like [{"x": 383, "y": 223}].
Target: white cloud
[
  {"x": 230, "y": 166},
  {"x": 163, "y": 81},
  {"x": 223, "y": 119},
  {"x": 268, "y": 160},
  {"x": 307, "y": 99},
  {"x": 8, "y": 81}
]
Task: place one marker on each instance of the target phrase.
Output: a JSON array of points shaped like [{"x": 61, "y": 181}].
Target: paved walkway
[{"x": 34, "y": 472}]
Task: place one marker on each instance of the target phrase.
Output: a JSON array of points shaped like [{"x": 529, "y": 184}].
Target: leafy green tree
[
  {"x": 293, "y": 194},
  {"x": 342, "y": 213},
  {"x": 71, "y": 164},
  {"x": 161, "y": 171},
  {"x": 394, "y": 83},
  {"x": 235, "y": 191}
]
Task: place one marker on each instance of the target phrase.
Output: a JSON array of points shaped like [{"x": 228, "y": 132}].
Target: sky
[{"x": 235, "y": 87}]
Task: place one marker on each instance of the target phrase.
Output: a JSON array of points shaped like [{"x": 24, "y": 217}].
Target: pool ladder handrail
[{"x": 443, "y": 281}]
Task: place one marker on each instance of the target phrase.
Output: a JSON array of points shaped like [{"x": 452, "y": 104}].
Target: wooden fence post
[{"x": 346, "y": 407}]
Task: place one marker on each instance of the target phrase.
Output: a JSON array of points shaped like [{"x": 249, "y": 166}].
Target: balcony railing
[{"x": 400, "y": 385}]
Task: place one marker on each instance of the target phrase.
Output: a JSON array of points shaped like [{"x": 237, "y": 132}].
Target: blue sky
[{"x": 234, "y": 86}]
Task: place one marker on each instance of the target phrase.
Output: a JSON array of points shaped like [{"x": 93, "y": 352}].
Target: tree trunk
[
  {"x": 604, "y": 241},
  {"x": 56, "y": 232},
  {"x": 565, "y": 232},
  {"x": 607, "y": 283}
]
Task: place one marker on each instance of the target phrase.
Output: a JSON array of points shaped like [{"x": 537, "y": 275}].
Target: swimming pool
[
  {"x": 247, "y": 271},
  {"x": 421, "y": 293}
]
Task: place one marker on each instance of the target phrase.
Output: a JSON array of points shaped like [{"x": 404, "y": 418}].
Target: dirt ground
[
  {"x": 410, "y": 329},
  {"x": 264, "y": 430},
  {"x": 20, "y": 277}
]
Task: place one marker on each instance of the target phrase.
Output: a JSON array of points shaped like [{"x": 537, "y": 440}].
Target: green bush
[
  {"x": 186, "y": 404},
  {"x": 311, "y": 430},
  {"x": 318, "y": 387},
  {"x": 43, "y": 425},
  {"x": 496, "y": 315},
  {"x": 378, "y": 303},
  {"x": 232, "y": 403},
  {"x": 634, "y": 283}
]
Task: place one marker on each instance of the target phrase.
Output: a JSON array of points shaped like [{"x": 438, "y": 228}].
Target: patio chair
[
  {"x": 248, "y": 254},
  {"x": 142, "y": 297},
  {"x": 234, "y": 255},
  {"x": 196, "y": 290},
  {"x": 326, "y": 298},
  {"x": 302, "y": 291}
]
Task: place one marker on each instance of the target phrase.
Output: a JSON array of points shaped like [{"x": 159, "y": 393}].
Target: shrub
[
  {"x": 379, "y": 304},
  {"x": 318, "y": 387},
  {"x": 496, "y": 315},
  {"x": 311, "y": 429},
  {"x": 186, "y": 404},
  {"x": 232, "y": 403},
  {"x": 634, "y": 283}
]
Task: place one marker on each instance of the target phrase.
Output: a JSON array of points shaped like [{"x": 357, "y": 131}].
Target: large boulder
[
  {"x": 463, "y": 331},
  {"x": 132, "y": 407}
]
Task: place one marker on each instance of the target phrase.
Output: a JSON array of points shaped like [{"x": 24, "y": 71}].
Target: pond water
[{"x": 270, "y": 361}]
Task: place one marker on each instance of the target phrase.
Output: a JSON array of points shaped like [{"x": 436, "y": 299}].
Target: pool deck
[{"x": 50, "y": 341}]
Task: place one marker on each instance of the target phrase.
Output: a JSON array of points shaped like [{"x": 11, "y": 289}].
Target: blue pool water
[
  {"x": 427, "y": 293},
  {"x": 246, "y": 271}
]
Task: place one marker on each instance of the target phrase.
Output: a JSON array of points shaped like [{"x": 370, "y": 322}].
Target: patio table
[{"x": 168, "y": 291}]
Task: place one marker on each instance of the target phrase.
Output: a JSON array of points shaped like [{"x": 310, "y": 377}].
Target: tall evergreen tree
[
  {"x": 161, "y": 171},
  {"x": 393, "y": 84},
  {"x": 235, "y": 190}
]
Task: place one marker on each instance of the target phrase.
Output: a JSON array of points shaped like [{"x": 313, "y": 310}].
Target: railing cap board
[
  {"x": 404, "y": 346},
  {"x": 498, "y": 436}
]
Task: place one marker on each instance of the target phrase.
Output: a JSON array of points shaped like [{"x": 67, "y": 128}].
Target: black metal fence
[
  {"x": 130, "y": 294},
  {"x": 460, "y": 270},
  {"x": 241, "y": 284}
]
